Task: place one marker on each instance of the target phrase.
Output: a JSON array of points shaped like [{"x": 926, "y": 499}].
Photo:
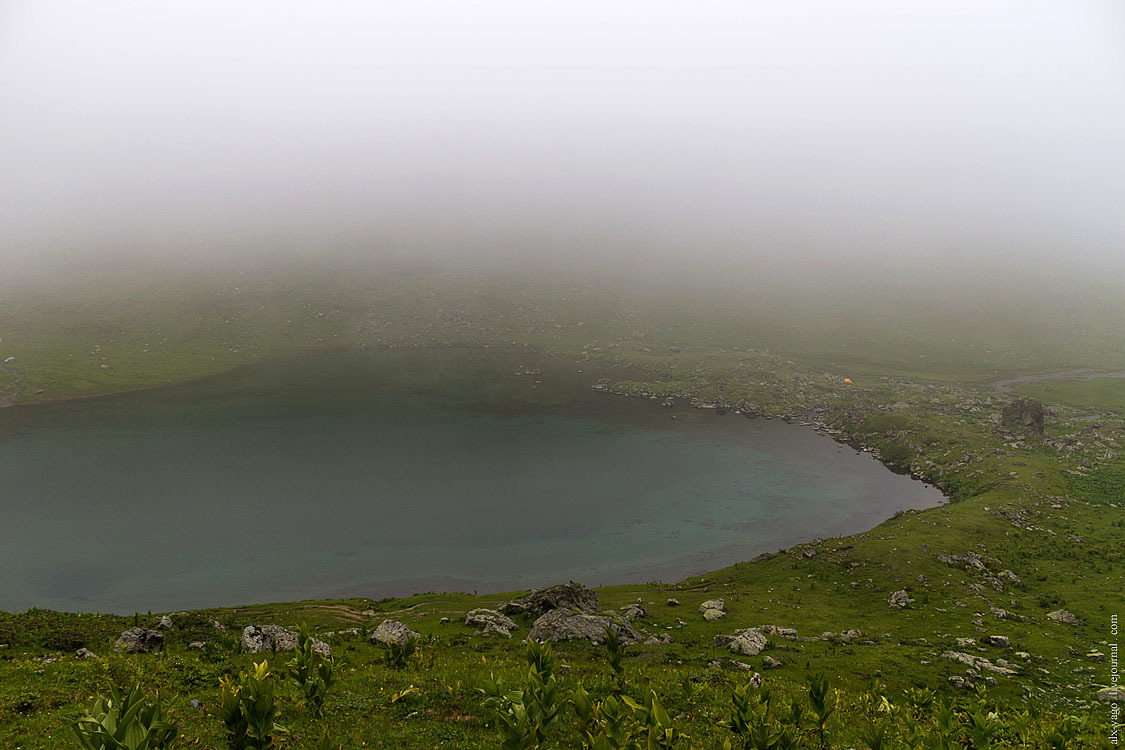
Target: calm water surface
[{"x": 385, "y": 473}]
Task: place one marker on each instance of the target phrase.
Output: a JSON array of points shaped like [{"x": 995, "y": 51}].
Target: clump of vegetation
[
  {"x": 400, "y": 653},
  {"x": 124, "y": 721},
  {"x": 525, "y": 716},
  {"x": 312, "y": 672},
  {"x": 248, "y": 709}
]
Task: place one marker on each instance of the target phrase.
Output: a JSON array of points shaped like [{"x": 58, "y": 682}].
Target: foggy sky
[{"x": 703, "y": 131}]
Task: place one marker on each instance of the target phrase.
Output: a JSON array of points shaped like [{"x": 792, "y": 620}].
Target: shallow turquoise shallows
[{"x": 387, "y": 473}]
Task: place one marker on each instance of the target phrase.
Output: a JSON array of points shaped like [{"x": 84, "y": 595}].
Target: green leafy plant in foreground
[
  {"x": 525, "y": 716},
  {"x": 312, "y": 672},
  {"x": 248, "y": 710},
  {"x": 398, "y": 654},
  {"x": 124, "y": 721}
]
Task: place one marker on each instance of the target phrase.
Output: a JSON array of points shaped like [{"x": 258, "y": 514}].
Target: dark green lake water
[{"x": 385, "y": 473}]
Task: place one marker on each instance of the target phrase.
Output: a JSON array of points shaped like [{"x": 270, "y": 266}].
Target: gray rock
[
  {"x": 748, "y": 641},
  {"x": 966, "y": 642},
  {"x": 900, "y": 600},
  {"x": 978, "y": 662},
  {"x": 165, "y": 623},
  {"x": 714, "y": 614},
  {"x": 196, "y": 646},
  {"x": 85, "y": 653},
  {"x": 673, "y": 602},
  {"x": 1009, "y": 576},
  {"x": 563, "y": 596},
  {"x": 1061, "y": 615},
  {"x": 659, "y": 638},
  {"x": 490, "y": 621},
  {"x": 781, "y": 632},
  {"x": 1000, "y": 641},
  {"x": 969, "y": 560},
  {"x": 570, "y": 625},
  {"x": 1024, "y": 415},
  {"x": 770, "y": 663},
  {"x": 718, "y": 604},
  {"x": 268, "y": 638},
  {"x": 392, "y": 631},
  {"x": 139, "y": 641},
  {"x": 1095, "y": 655},
  {"x": 633, "y": 611},
  {"x": 1114, "y": 694}
]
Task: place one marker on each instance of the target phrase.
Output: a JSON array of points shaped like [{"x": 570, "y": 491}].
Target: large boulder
[
  {"x": 748, "y": 641},
  {"x": 259, "y": 639},
  {"x": 713, "y": 609},
  {"x": 563, "y": 596},
  {"x": 571, "y": 625},
  {"x": 392, "y": 631},
  {"x": 491, "y": 621},
  {"x": 139, "y": 641},
  {"x": 1024, "y": 415}
]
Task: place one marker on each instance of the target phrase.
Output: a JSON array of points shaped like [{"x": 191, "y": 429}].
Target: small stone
[
  {"x": 673, "y": 602},
  {"x": 769, "y": 662},
  {"x": 165, "y": 623},
  {"x": 196, "y": 646},
  {"x": 1000, "y": 641},
  {"x": 85, "y": 653}
]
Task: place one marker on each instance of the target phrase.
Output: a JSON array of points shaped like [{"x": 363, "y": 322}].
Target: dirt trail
[{"x": 1006, "y": 385}]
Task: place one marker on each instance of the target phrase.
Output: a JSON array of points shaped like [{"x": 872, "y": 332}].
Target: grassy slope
[{"x": 915, "y": 399}]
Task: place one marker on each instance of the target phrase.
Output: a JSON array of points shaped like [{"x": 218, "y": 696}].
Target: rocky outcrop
[
  {"x": 491, "y": 621},
  {"x": 392, "y": 631},
  {"x": 571, "y": 625},
  {"x": 1024, "y": 415},
  {"x": 713, "y": 609},
  {"x": 968, "y": 560},
  {"x": 633, "y": 611},
  {"x": 899, "y": 600},
  {"x": 978, "y": 662},
  {"x": 1062, "y": 616},
  {"x": 139, "y": 641},
  {"x": 257, "y": 639},
  {"x": 748, "y": 641},
  {"x": 563, "y": 596}
]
